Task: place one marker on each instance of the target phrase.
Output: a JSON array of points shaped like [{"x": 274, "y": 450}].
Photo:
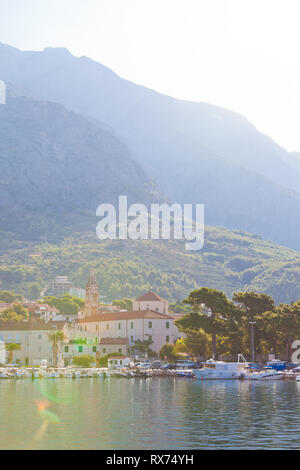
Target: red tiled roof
[
  {"x": 135, "y": 314},
  {"x": 32, "y": 325},
  {"x": 150, "y": 296},
  {"x": 33, "y": 306},
  {"x": 113, "y": 340}
]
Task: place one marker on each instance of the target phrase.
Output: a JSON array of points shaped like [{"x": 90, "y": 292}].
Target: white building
[
  {"x": 118, "y": 362},
  {"x": 143, "y": 325},
  {"x": 32, "y": 336}
]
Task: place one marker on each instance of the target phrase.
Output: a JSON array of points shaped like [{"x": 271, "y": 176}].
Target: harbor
[{"x": 208, "y": 370}]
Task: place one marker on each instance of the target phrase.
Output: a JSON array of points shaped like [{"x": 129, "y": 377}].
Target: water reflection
[{"x": 153, "y": 413}]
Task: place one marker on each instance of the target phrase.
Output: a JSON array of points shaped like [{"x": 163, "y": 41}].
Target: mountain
[
  {"x": 230, "y": 261},
  {"x": 56, "y": 168},
  {"x": 195, "y": 152}
]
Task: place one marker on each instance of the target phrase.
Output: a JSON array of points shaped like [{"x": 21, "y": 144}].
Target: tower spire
[{"x": 92, "y": 279}]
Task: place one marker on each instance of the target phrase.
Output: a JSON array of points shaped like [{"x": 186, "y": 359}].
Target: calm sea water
[{"x": 155, "y": 413}]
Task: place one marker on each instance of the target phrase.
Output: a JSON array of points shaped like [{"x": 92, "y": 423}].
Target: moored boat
[
  {"x": 267, "y": 374},
  {"x": 213, "y": 370}
]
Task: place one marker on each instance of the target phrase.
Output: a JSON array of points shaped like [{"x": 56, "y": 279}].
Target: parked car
[
  {"x": 185, "y": 363},
  {"x": 144, "y": 365},
  {"x": 291, "y": 365},
  {"x": 157, "y": 365},
  {"x": 170, "y": 366}
]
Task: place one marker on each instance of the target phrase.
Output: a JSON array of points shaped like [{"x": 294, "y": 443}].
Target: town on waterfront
[
  {"x": 149, "y": 227},
  {"x": 205, "y": 336}
]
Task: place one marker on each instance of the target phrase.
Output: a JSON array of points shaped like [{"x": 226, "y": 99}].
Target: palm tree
[
  {"x": 11, "y": 347},
  {"x": 56, "y": 337}
]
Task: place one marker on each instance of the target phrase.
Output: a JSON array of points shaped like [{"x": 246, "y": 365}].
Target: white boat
[
  {"x": 213, "y": 370},
  {"x": 4, "y": 374},
  {"x": 267, "y": 374}
]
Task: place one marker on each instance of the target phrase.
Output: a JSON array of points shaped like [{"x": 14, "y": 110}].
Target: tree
[
  {"x": 16, "y": 313},
  {"x": 289, "y": 325},
  {"x": 67, "y": 305},
  {"x": 178, "y": 307},
  {"x": 83, "y": 361},
  {"x": 254, "y": 305},
  {"x": 9, "y": 316},
  {"x": 168, "y": 351},
  {"x": 56, "y": 337},
  {"x": 33, "y": 290},
  {"x": 125, "y": 303},
  {"x": 11, "y": 347},
  {"x": 217, "y": 304},
  {"x": 196, "y": 343},
  {"x": 9, "y": 297},
  {"x": 142, "y": 346},
  {"x": 20, "y": 310}
]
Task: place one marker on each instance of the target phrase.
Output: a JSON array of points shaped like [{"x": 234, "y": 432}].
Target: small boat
[
  {"x": 276, "y": 364},
  {"x": 52, "y": 374},
  {"x": 267, "y": 374},
  {"x": 4, "y": 374}
]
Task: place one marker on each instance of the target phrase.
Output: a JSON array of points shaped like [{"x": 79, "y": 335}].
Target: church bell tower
[{"x": 91, "y": 296}]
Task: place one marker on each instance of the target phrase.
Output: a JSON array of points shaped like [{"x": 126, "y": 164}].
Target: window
[
  {"x": 132, "y": 339},
  {"x": 167, "y": 339},
  {"x": 66, "y": 348},
  {"x": 167, "y": 324},
  {"x": 150, "y": 338},
  {"x": 79, "y": 348},
  {"x": 107, "y": 326},
  {"x": 85, "y": 328},
  {"x": 104, "y": 350},
  {"x": 96, "y": 340},
  {"x": 39, "y": 336},
  {"x": 94, "y": 348},
  {"x": 119, "y": 326},
  {"x": 131, "y": 325},
  {"x": 150, "y": 324},
  {"x": 96, "y": 326},
  {"x": 121, "y": 362},
  {"x": 120, "y": 350}
]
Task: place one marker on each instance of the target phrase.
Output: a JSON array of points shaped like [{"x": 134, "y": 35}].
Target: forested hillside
[{"x": 230, "y": 261}]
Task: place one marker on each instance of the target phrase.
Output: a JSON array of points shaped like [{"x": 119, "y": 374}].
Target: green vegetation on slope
[{"x": 230, "y": 261}]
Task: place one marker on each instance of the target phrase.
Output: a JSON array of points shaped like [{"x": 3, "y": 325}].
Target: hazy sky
[{"x": 239, "y": 54}]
